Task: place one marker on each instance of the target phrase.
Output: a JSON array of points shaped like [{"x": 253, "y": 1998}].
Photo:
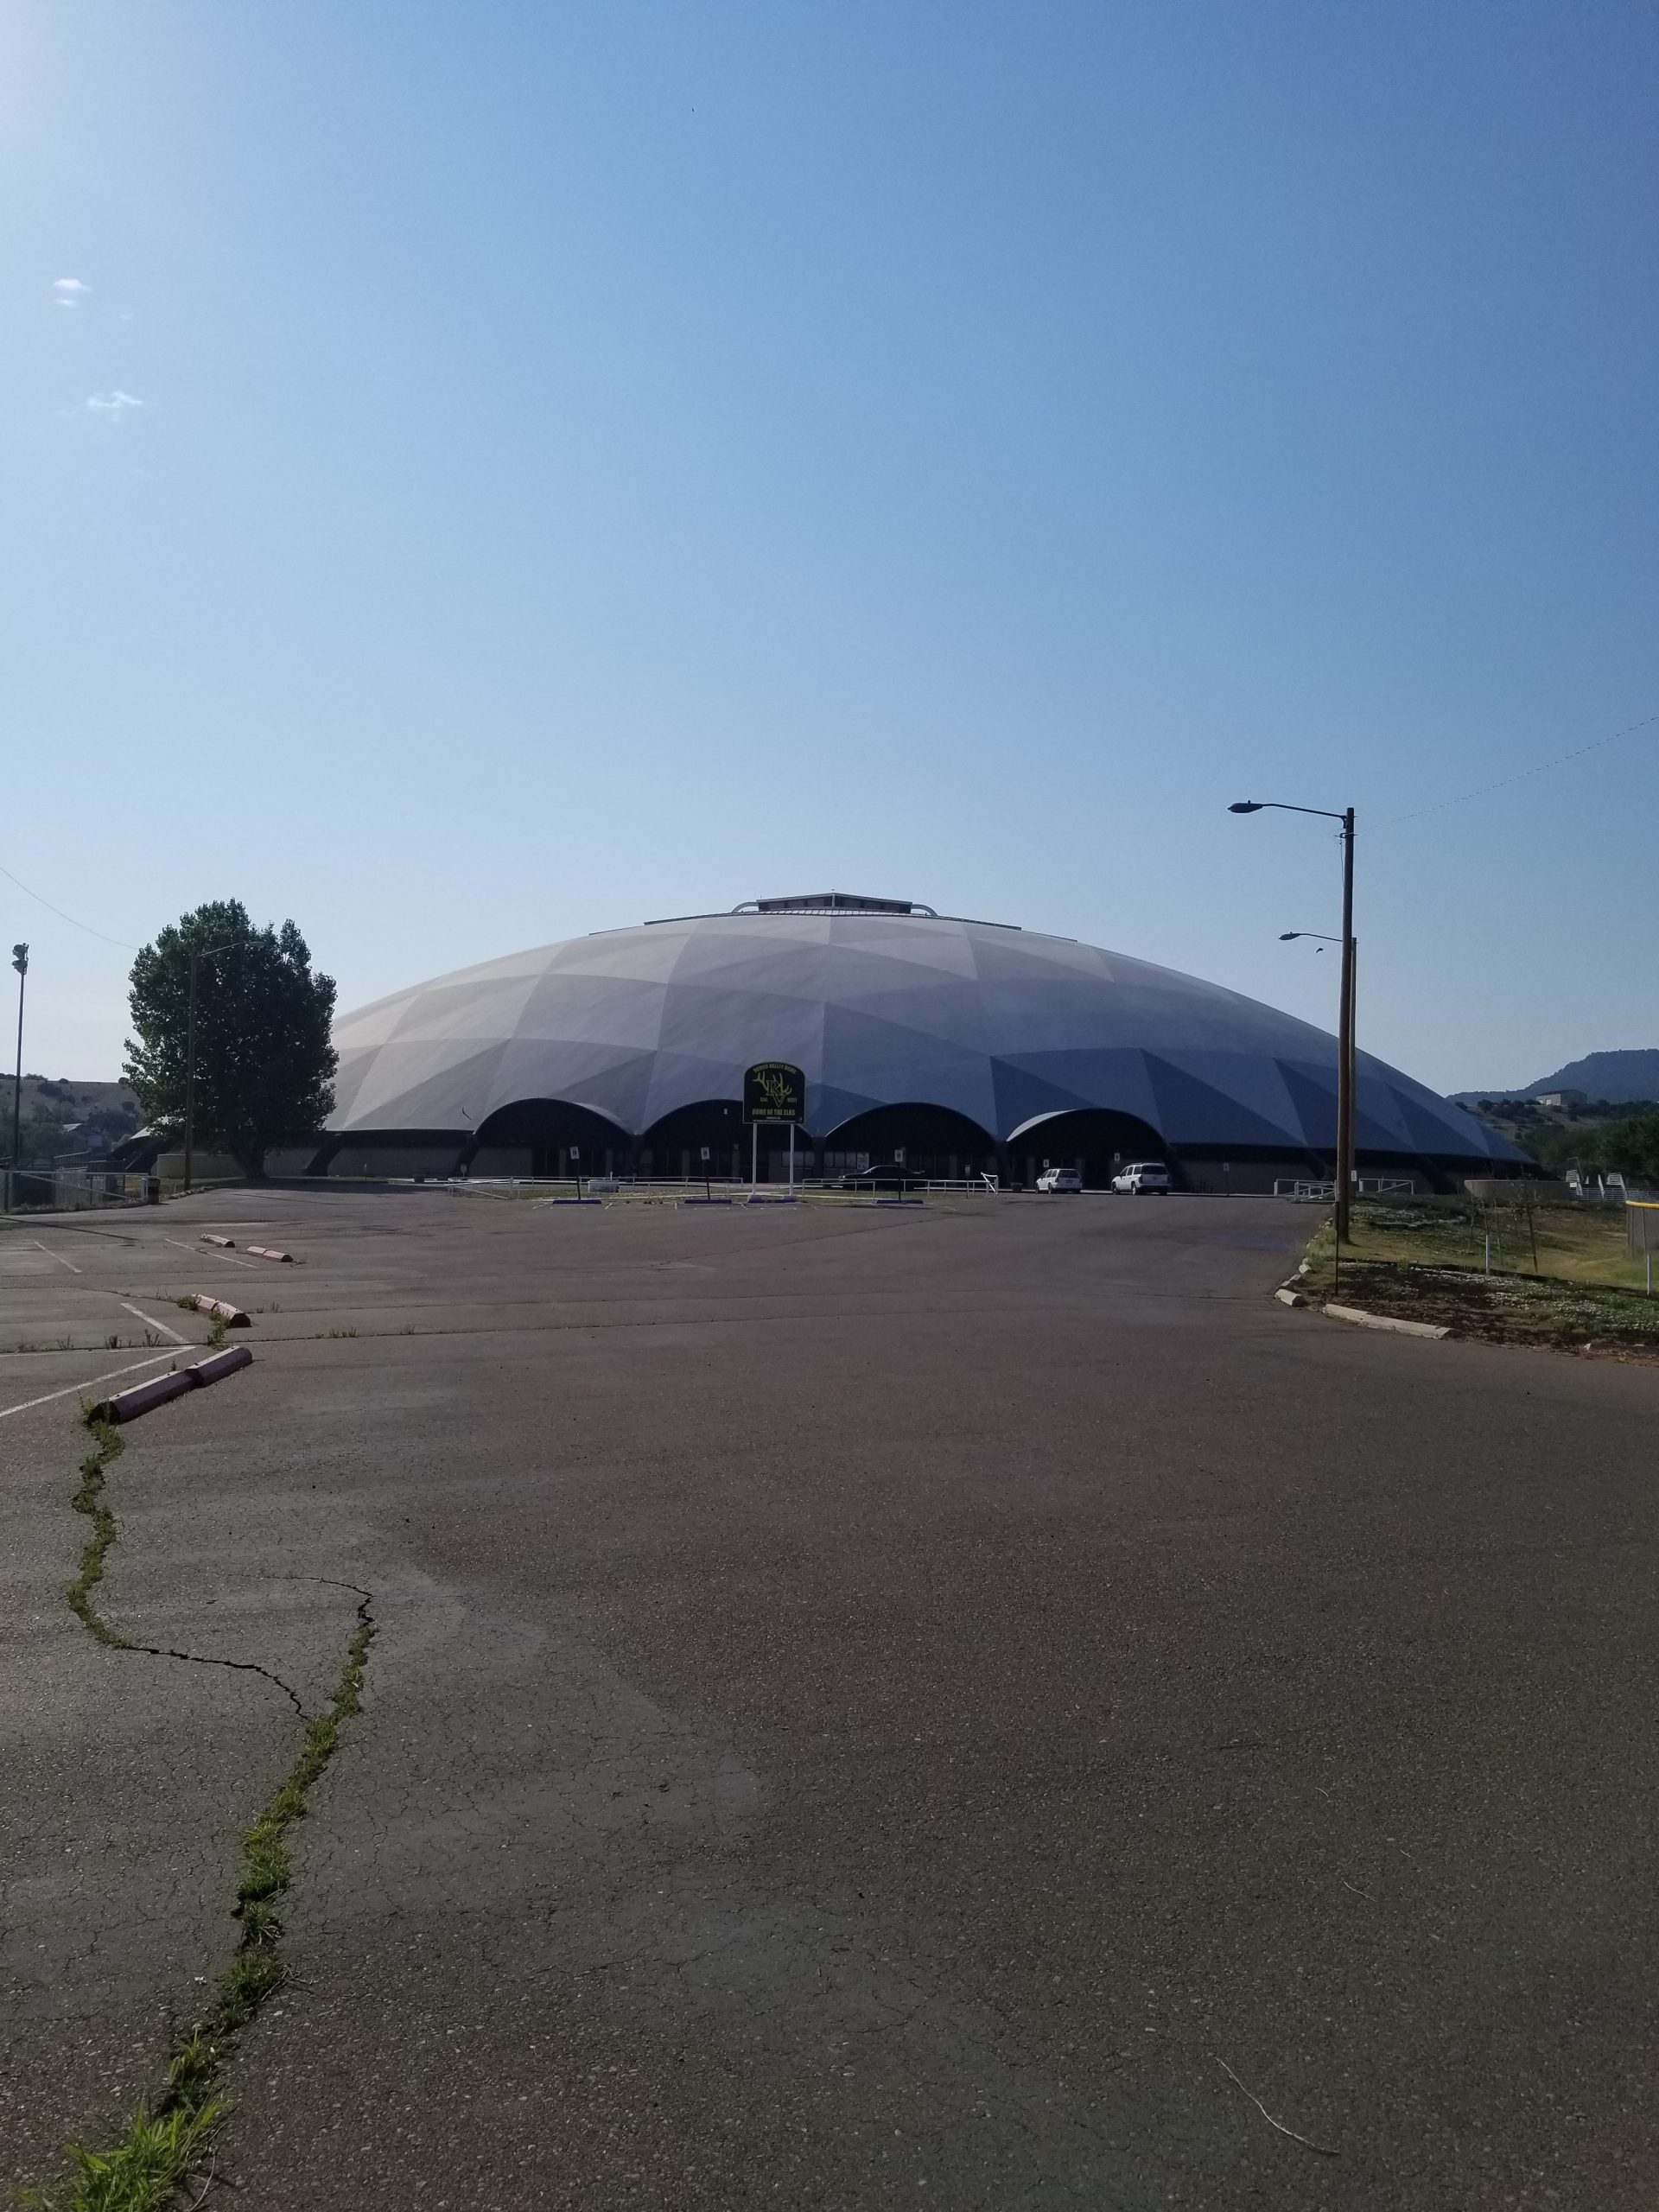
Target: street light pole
[
  {"x": 20, "y": 962},
  {"x": 1347, "y": 1063},
  {"x": 1345, "y": 1042},
  {"x": 190, "y": 1075},
  {"x": 196, "y": 959}
]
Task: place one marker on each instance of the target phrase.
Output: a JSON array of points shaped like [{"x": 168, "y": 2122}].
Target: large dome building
[{"x": 976, "y": 1046}]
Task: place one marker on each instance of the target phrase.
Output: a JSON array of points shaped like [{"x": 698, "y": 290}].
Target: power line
[
  {"x": 62, "y": 916},
  {"x": 1520, "y": 774}
]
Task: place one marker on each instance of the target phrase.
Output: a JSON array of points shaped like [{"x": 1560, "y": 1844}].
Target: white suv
[
  {"x": 1059, "y": 1178},
  {"x": 1142, "y": 1175}
]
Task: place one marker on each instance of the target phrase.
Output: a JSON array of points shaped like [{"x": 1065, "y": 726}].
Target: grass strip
[
  {"x": 1507, "y": 1306},
  {"x": 167, "y": 2140}
]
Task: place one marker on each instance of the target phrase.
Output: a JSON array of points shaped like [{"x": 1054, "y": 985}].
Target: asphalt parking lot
[{"x": 967, "y": 1706}]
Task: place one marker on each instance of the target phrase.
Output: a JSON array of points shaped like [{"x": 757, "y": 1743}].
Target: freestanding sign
[{"x": 773, "y": 1091}]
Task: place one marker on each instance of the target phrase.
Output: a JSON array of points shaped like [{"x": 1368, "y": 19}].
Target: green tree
[
  {"x": 1630, "y": 1146},
  {"x": 265, "y": 1065}
]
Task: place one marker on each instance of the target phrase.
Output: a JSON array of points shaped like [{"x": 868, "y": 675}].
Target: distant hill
[
  {"x": 62, "y": 1095},
  {"x": 1619, "y": 1077}
]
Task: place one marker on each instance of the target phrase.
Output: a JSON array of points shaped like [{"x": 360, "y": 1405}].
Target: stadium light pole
[{"x": 1345, "y": 1069}]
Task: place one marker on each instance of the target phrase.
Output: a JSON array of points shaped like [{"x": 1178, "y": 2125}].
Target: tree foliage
[
  {"x": 264, "y": 1063},
  {"x": 1621, "y": 1139},
  {"x": 1630, "y": 1145}
]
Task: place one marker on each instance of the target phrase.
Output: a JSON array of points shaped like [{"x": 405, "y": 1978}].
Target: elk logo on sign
[{"x": 774, "y": 1091}]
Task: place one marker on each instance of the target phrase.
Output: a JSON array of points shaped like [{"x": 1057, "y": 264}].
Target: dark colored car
[{"x": 881, "y": 1175}]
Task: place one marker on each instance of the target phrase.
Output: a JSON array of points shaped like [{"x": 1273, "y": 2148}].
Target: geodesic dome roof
[{"x": 879, "y": 1004}]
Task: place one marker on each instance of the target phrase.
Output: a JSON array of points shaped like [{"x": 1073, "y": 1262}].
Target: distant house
[{"x": 1562, "y": 1100}]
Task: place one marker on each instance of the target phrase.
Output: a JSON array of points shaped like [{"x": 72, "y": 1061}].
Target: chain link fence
[{"x": 73, "y": 1190}]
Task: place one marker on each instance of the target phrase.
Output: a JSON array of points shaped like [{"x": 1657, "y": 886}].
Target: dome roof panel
[
  {"x": 616, "y": 1009},
  {"x": 1193, "y": 1111},
  {"x": 413, "y": 1087},
  {"x": 609, "y": 1079},
  {"x": 1060, "y": 1082},
  {"x": 876, "y": 1008}
]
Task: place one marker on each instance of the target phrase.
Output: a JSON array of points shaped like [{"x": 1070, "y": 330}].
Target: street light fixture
[{"x": 1346, "y": 1066}]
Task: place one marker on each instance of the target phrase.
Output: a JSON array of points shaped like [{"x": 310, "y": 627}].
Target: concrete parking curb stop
[
  {"x": 232, "y": 1316},
  {"x": 268, "y": 1252},
  {"x": 1287, "y": 1296},
  {"x": 1384, "y": 1321},
  {"x": 127, "y": 1405},
  {"x": 229, "y": 1243}
]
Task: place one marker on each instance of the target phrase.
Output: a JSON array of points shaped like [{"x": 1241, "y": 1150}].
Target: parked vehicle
[
  {"x": 1142, "y": 1177},
  {"x": 880, "y": 1176},
  {"x": 1059, "y": 1178}
]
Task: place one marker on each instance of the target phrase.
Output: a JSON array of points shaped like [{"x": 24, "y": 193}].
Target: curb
[
  {"x": 144, "y": 1398},
  {"x": 1287, "y": 1296},
  {"x": 1382, "y": 1321}
]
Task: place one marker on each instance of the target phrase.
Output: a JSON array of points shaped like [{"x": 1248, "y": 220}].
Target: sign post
[
  {"x": 773, "y": 1091},
  {"x": 706, "y": 1191}
]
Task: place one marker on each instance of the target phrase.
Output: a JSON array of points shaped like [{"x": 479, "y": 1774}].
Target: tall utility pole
[
  {"x": 1345, "y": 1042},
  {"x": 196, "y": 959},
  {"x": 190, "y": 1073},
  {"x": 1347, "y": 1063},
  {"x": 20, "y": 962}
]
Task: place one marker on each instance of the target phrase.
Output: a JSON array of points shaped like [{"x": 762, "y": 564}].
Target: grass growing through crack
[
  {"x": 89, "y": 1500},
  {"x": 167, "y": 2140},
  {"x": 147, "y": 2165}
]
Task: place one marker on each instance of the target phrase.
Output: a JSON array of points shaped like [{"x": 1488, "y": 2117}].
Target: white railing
[
  {"x": 1311, "y": 1189},
  {"x": 674, "y": 1188}
]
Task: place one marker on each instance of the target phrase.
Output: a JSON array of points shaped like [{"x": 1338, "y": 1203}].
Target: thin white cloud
[
  {"x": 115, "y": 404},
  {"x": 69, "y": 291}
]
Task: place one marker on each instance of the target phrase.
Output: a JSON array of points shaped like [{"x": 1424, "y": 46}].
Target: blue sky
[{"x": 518, "y": 470}]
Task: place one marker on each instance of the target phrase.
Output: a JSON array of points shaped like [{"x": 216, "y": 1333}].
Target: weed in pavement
[{"x": 168, "y": 2140}]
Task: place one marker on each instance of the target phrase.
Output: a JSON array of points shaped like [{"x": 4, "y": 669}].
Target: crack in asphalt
[
  {"x": 89, "y": 1500},
  {"x": 170, "y": 2137}
]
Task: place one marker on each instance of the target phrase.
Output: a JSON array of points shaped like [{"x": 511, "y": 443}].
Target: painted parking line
[
  {"x": 150, "y": 1322},
  {"x": 208, "y": 1253},
  {"x": 93, "y": 1381},
  {"x": 58, "y": 1257}
]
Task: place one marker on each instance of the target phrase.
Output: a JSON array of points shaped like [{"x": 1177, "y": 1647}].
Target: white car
[
  {"x": 1059, "y": 1178},
  {"x": 1141, "y": 1176}
]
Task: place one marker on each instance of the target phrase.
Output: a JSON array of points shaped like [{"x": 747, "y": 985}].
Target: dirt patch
[{"x": 1498, "y": 1308}]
